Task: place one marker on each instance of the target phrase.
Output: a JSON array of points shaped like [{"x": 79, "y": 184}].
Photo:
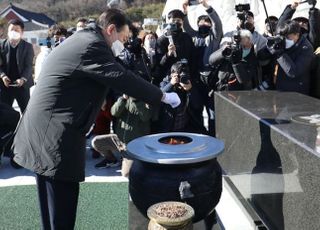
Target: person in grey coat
[
  {"x": 75, "y": 79},
  {"x": 259, "y": 41},
  {"x": 16, "y": 67}
]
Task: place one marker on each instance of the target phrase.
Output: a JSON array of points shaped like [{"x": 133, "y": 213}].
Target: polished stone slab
[{"x": 271, "y": 160}]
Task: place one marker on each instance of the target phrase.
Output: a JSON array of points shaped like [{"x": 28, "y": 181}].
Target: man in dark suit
[
  {"x": 16, "y": 69},
  {"x": 75, "y": 79}
]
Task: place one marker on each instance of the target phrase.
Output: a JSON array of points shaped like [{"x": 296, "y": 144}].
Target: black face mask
[{"x": 204, "y": 30}]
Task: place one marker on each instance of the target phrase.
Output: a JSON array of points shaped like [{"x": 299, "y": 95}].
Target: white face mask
[
  {"x": 80, "y": 28},
  {"x": 117, "y": 47},
  {"x": 13, "y": 35},
  {"x": 289, "y": 43}
]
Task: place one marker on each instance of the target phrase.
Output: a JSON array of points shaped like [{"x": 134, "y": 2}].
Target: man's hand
[
  {"x": 126, "y": 97},
  {"x": 20, "y": 82},
  {"x": 171, "y": 99},
  {"x": 317, "y": 52},
  {"x": 186, "y": 87},
  {"x": 204, "y": 3},
  {"x": 6, "y": 81},
  {"x": 171, "y": 50},
  {"x": 295, "y": 4},
  {"x": 174, "y": 80}
]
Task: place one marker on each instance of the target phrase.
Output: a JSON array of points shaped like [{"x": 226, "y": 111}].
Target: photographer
[
  {"x": 236, "y": 65},
  {"x": 206, "y": 41},
  {"x": 271, "y": 24},
  {"x": 309, "y": 28},
  {"x": 46, "y": 45},
  {"x": 177, "y": 119},
  {"x": 137, "y": 59},
  {"x": 246, "y": 21},
  {"x": 293, "y": 54},
  {"x": 180, "y": 46}
]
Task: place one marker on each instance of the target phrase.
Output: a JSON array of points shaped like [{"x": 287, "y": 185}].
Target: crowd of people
[
  {"x": 192, "y": 63},
  {"x": 127, "y": 70}
]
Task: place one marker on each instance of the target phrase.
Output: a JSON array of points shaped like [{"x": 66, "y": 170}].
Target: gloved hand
[
  {"x": 276, "y": 52},
  {"x": 236, "y": 56},
  {"x": 171, "y": 99}
]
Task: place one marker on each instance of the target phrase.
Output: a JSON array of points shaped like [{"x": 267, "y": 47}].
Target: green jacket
[{"x": 133, "y": 119}]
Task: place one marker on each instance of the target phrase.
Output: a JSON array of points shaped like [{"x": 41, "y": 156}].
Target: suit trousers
[
  {"x": 58, "y": 203},
  {"x": 22, "y": 95}
]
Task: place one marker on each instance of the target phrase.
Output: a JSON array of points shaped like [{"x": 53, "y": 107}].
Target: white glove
[{"x": 171, "y": 99}]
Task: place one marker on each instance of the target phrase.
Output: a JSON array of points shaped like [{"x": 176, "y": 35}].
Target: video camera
[
  {"x": 277, "y": 42},
  {"x": 234, "y": 47},
  {"x": 243, "y": 10}
]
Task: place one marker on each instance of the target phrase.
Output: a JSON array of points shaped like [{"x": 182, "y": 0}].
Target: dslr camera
[
  {"x": 234, "y": 47},
  {"x": 184, "y": 74},
  {"x": 276, "y": 43}
]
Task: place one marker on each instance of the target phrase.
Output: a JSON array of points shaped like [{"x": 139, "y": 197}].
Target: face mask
[
  {"x": 13, "y": 35},
  {"x": 80, "y": 28},
  {"x": 245, "y": 52},
  {"x": 204, "y": 30},
  {"x": 117, "y": 47},
  {"x": 289, "y": 43}
]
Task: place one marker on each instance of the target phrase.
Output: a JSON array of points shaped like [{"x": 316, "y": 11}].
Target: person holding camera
[
  {"x": 236, "y": 65},
  {"x": 16, "y": 66},
  {"x": 173, "y": 46},
  {"x": 293, "y": 55},
  {"x": 176, "y": 119},
  {"x": 309, "y": 28},
  {"x": 206, "y": 41},
  {"x": 246, "y": 21}
]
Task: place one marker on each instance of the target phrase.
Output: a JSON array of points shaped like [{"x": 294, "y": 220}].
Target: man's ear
[{"x": 110, "y": 29}]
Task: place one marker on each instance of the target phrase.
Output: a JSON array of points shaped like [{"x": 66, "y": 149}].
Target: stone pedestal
[{"x": 271, "y": 161}]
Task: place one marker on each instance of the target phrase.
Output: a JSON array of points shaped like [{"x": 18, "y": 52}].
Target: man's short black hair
[
  {"x": 16, "y": 22},
  {"x": 176, "y": 14},
  {"x": 206, "y": 18},
  {"x": 289, "y": 27},
  {"x": 179, "y": 67},
  {"x": 301, "y": 19},
  {"x": 271, "y": 18},
  {"x": 112, "y": 16},
  {"x": 58, "y": 30},
  {"x": 84, "y": 20},
  {"x": 250, "y": 14}
]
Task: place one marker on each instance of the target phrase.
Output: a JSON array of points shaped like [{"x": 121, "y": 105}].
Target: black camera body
[
  {"x": 242, "y": 7},
  {"x": 184, "y": 74},
  {"x": 242, "y": 14},
  {"x": 234, "y": 47},
  {"x": 277, "y": 42}
]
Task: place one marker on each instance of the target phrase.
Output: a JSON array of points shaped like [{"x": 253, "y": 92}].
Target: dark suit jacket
[
  {"x": 25, "y": 57},
  {"x": 75, "y": 79}
]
